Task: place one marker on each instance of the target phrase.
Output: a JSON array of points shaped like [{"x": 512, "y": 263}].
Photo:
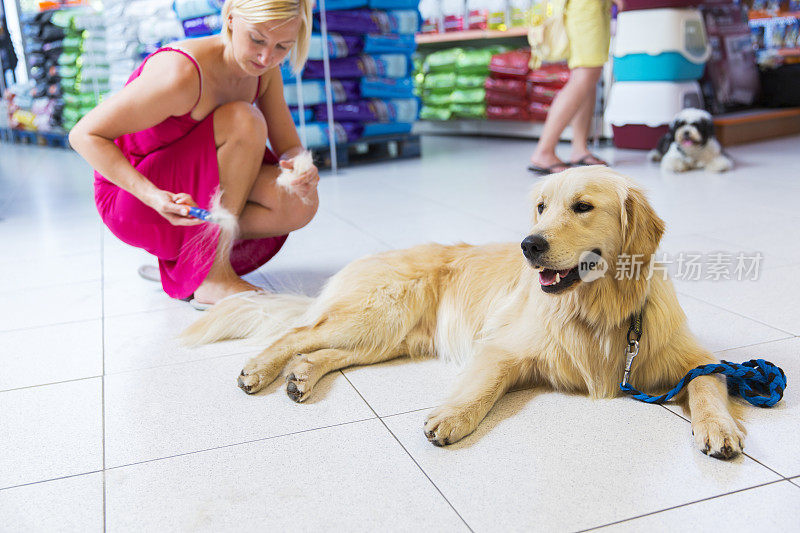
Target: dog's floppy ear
[
  {"x": 642, "y": 227},
  {"x": 533, "y": 197}
]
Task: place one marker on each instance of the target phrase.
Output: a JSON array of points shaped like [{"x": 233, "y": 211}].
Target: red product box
[
  {"x": 544, "y": 94},
  {"x": 513, "y": 64},
  {"x": 553, "y": 75},
  {"x": 538, "y": 111},
  {"x": 508, "y": 86},
  {"x": 497, "y": 112},
  {"x": 504, "y": 99}
]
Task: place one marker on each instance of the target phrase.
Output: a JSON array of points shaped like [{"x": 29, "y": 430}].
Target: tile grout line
[
  {"x": 683, "y": 505},
  {"x": 50, "y": 383},
  {"x": 103, "y": 346},
  {"x": 136, "y": 463},
  {"x": 231, "y": 445},
  {"x": 407, "y": 452},
  {"x": 50, "y": 479}
]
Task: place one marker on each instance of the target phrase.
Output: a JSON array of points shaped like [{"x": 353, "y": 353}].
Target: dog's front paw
[
  {"x": 718, "y": 437},
  {"x": 256, "y": 375},
  {"x": 446, "y": 425}
]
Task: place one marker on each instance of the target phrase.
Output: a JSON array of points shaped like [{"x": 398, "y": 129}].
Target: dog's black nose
[{"x": 533, "y": 246}]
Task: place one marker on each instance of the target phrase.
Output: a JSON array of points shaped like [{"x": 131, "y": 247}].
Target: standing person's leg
[
  {"x": 568, "y": 102},
  {"x": 582, "y": 123}
]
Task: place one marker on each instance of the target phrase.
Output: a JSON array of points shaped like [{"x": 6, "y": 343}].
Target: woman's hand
[
  {"x": 174, "y": 207},
  {"x": 304, "y": 184}
]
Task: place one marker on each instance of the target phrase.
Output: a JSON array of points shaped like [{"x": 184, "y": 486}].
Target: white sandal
[{"x": 150, "y": 273}]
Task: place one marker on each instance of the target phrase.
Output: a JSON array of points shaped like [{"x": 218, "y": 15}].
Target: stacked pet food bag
[
  {"x": 451, "y": 83},
  {"x": 370, "y": 44},
  {"x": 36, "y": 105},
  {"x": 82, "y": 66},
  {"x": 659, "y": 54},
  {"x": 491, "y": 82},
  {"x": 134, "y": 29},
  {"x": 515, "y": 92}
]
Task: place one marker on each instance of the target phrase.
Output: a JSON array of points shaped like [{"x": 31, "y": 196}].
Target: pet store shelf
[
  {"x": 469, "y": 35},
  {"x": 495, "y": 128},
  {"x": 756, "y": 125}
]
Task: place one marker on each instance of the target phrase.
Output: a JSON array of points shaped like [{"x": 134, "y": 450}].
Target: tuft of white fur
[
  {"x": 262, "y": 318},
  {"x": 302, "y": 163},
  {"x": 692, "y": 115},
  {"x": 227, "y": 221},
  {"x": 218, "y": 234},
  {"x": 654, "y": 156}
]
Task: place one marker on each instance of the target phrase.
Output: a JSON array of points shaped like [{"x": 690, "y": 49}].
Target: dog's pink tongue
[
  {"x": 687, "y": 142},
  {"x": 547, "y": 277}
]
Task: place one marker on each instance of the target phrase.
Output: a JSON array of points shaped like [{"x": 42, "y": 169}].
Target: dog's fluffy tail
[{"x": 262, "y": 317}]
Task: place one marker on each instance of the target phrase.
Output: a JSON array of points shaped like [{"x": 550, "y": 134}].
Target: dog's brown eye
[
  {"x": 582, "y": 207},
  {"x": 540, "y": 207}
]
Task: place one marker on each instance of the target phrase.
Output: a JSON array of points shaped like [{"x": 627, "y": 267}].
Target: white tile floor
[{"x": 108, "y": 423}]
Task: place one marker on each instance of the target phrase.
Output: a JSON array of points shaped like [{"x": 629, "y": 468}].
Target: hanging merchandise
[
  {"x": 477, "y": 14},
  {"x": 430, "y": 11},
  {"x": 453, "y": 15},
  {"x": 519, "y": 12},
  {"x": 498, "y": 15}
]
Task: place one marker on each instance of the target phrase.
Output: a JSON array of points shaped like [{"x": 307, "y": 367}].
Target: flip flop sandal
[
  {"x": 588, "y": 160},
  {"x": 149, "y": 272},
  {"x": 204, "y": 306},
  {"x": 544, "y": 171}
]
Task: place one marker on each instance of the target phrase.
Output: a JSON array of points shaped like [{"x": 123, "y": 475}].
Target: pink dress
[{"x": 177, "y": 155}]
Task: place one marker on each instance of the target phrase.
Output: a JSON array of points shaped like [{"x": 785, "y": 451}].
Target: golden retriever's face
[{"x": 587, "y": 209}]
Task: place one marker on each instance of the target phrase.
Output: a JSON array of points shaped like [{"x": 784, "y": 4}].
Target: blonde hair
[{"x": 256, "y": 11}]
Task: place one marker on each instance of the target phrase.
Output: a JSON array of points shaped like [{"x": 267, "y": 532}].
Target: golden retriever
[{"x": 516, "y": 318}]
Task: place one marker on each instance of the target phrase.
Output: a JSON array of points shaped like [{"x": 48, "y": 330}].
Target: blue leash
[{"x": 758, "y": 381}]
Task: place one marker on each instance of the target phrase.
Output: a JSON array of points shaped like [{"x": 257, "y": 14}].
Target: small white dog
[{"x": 691, "y": 144}]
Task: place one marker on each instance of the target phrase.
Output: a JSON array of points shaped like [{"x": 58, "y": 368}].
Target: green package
[
  {"x": 443, "y": 60},
  {"x": 468, "y": 96},
  {"x": 437, "y": 99},
  {"x": 470, "y": 81},
  {"x": 435, "y": 113},
  {"x": 469, "y": 110},
  {"x": 444, "y": 81}
]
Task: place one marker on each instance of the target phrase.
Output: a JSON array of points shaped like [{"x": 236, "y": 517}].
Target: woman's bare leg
[
  {"x": 569, "y": 102},
  {"x": 240, "y": 134},
  {"x": 271, "y": 210}
]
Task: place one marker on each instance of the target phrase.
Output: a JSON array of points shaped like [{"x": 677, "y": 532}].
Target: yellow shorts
[{"x": 588, "y": 25}]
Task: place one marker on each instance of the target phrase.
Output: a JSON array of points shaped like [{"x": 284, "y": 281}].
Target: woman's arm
[
  {"x": 168, "y": 85},
  {"x": 283, "y": 135},
  {"x": 280, "y": 126}
]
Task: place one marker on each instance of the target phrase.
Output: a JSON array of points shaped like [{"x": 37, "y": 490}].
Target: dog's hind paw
[
  {"x": 447, "y": 425},
  {"x": 718, "y": 437}
]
